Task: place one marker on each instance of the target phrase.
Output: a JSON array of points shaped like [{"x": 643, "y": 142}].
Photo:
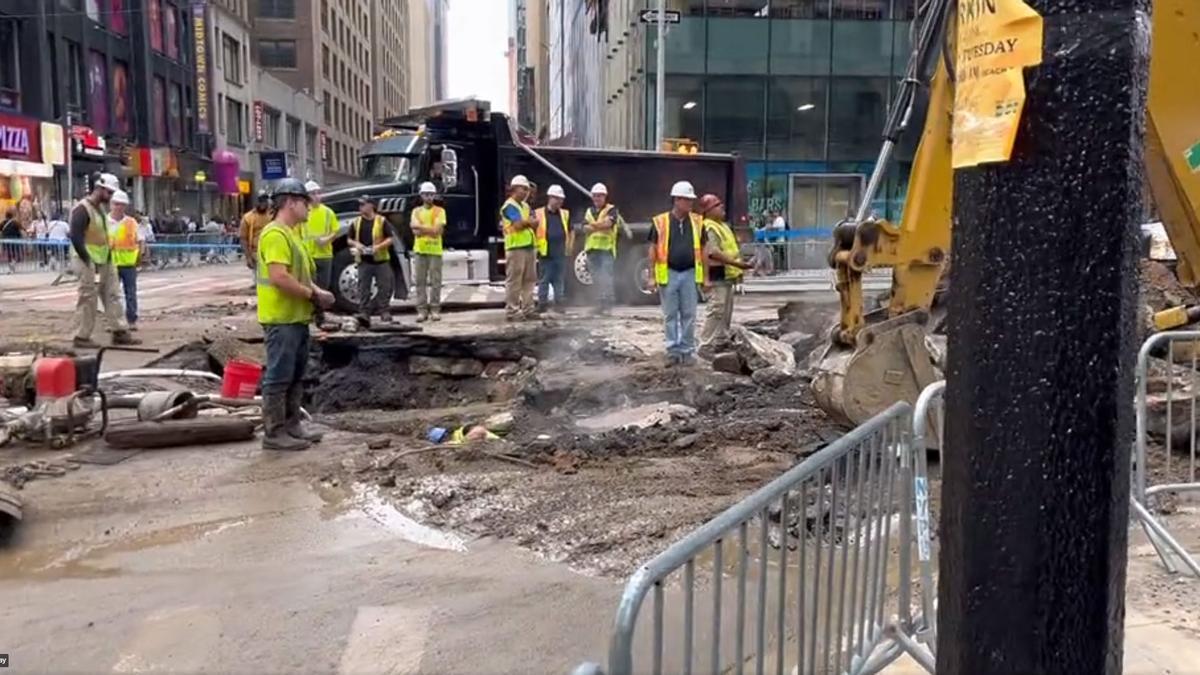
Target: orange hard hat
[{"x": 707, "y": 203}]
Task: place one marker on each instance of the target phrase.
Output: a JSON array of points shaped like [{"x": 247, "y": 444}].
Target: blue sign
[{"x": 274, "y": 165}]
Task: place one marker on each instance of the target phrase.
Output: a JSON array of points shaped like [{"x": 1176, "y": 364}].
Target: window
[
  {"x": 175, "y": 115},
  {"x": 800, "y": 47},
  {"x": 10, "y": 66},
  {"x": 734, "y": 115},
  {"x": 170, "y": 17},
  {"x": 737, "y": 45},
  {"x": 683, "y": 116},
  {"x": 326, "y": 108},
  {"x": 293, "y": 135},
  {"x": 231, "y": 59},
  {"x": 116, "y": 16},
  {"x": 738, "y": 8},
  {"x": 860, "y": 105},
  {"x": 235, "y": 122},
  {"x": 685, "y": 47},
  {"x": 800, "y": 9},
  {"x": 325, "y": 15},
  {"x": 120, "y": 94},
  {"x": 862, "y": 48},
  {"x": 861, "y": 10},
  {"x": 75, "y": 75},
  {"x": 155, "y": 19},
  {"x": 325, "y": 60},
  {"x": 271, "y": 128},
  {"x": 277, "y": 53},
  {"x": 310, "y": 142},
  {"x": 221, "y": 114},
  {"x": 796, "y": 118},
  {"x": 158, "y": 105},
  {"x": 277, "y": 9}
]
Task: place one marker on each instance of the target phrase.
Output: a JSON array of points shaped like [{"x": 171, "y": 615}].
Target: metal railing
[
  {"x": 1166, "y": 409},
  {"x": 820, "y": 564},
  {"x": 24, "y": 256}
]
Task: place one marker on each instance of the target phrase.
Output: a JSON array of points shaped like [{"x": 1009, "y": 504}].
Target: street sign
[
  {"x": 273, "y": 165},
  {"x": 651, "y": 16}
]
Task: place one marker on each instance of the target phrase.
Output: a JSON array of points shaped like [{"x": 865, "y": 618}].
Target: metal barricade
[
  {"x": 1166, "y": 408},
  {"x": 22, "y": 256},
  {"x": 820, "y": 564}
]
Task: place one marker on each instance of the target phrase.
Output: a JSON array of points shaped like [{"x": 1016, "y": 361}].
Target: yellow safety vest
[
  {"x": 381, "y": 254},
  {"x": 662, "y": 223},
  {"x": 124, "y": 242},
  {"x": 429, "y": 217},
  {"x": 515, "y": 238},
  {"x": 321, "y": 223},
  {"x": 728, "y": 242},
  {"x": 543, "y": 245},
  {"x": 600, "y": 241},
  {"x": 95, "y": 239},
  {"x": 275, "y": 306}
]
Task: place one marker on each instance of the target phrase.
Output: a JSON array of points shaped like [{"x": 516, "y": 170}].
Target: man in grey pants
[{"x": 371, "y": 238}]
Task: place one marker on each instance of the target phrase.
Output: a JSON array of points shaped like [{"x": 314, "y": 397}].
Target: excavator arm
[{"x": 877, "y": 357}]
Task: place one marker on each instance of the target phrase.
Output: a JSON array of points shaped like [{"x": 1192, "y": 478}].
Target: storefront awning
[{"x": 16, "y": 167}]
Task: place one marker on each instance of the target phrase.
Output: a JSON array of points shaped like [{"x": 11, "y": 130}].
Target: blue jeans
[
  {"x": 600, "y": 264},
  {"x": 287, "y": 356},
  {"x": 128, "y": 276},
  {"x": 552, "y": 273},
  {"x": 679, "y": 300}
]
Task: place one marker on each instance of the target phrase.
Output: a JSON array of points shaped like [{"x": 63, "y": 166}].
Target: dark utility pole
[{"x": 1040, "y": 362}]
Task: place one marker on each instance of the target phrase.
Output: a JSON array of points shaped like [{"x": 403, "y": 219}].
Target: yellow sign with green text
[{"x": 996, "y": 39}]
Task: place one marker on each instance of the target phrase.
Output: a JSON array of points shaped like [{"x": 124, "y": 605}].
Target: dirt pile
[{"x": 611, "y": 455}]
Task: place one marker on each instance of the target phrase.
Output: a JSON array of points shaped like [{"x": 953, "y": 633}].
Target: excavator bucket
[{"x": 893, "y": 362}]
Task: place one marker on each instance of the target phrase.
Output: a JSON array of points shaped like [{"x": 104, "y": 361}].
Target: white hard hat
[
  {"x": 428, "y": 188},
  {"x": 312, "y": 186},
  {"x": 119, "y": 197},
  {"x": 109, "y": 182},
  {"x": 519, "y": 181},
  {"x": 556, "y": 191},
  {"x": 683, "y": 189},
  {"x": 599, "y": 189}
]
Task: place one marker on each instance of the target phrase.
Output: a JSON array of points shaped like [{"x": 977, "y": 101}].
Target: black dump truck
[{"x": 471, "y": 153}]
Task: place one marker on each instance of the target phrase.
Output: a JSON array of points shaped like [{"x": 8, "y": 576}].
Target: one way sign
[{"x": 651, "y": 16}]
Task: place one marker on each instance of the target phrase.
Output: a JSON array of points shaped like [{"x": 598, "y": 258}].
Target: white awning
[{"x": 16, "y": 167}]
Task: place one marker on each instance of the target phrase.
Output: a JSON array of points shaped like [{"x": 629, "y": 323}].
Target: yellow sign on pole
[{"x": 996, "y": 39}]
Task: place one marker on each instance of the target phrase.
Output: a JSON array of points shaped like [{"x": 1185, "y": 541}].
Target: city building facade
[
  {"x": 799, "y": 88},
  {"x": 389, "y": 54},
  {"x": 426, "y": 46}
]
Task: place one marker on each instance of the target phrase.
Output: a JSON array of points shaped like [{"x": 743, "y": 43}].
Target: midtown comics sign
[{"x": 19, "y": 139}]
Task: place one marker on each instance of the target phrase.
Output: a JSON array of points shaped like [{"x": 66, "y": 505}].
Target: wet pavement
[{"x": 230, "y": 561}]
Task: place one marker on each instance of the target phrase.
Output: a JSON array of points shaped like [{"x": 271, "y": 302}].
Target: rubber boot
[
  {"x": 422, "y": 315},
  {"x": 275, "y": 437},
  {"x": 295, "y": 426},
  {"x": 435, "y": 314}
]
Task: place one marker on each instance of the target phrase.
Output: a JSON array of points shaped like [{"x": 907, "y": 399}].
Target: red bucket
[{"x": 241, "y": 379}]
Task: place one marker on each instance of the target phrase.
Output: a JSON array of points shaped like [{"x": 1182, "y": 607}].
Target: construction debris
[{"x": 176, "y": 433}]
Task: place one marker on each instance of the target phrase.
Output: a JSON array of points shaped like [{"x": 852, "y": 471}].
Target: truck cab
[{"x": 470, "y": 154}]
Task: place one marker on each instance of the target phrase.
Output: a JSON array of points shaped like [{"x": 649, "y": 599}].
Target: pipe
[{"x": 159, "y": 372}]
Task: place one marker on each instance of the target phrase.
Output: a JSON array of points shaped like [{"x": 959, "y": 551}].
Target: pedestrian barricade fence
[
  {"x": 20, "y": 256},
  {"x": 813, "y": 573},
  {"x": 1166, "y": 412}
]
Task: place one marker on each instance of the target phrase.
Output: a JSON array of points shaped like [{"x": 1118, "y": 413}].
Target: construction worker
[
  {"x": 372, "y": 247},
  {"x": 320, "y": 230},
  {"x": 600, "y": 223},
  {"x": 127, "y": 244},
  {"x": 555, "y": 241},
  {"x": 676, "y": 256},
  {"x": 94, "y": 267},
  {"x": 428, "y": 223},
  {"x": 252, "y": 224},
  {"x": 520, "y": 261},
  {"x": 725, "y": 268},
  {"x": 286, "y": 297}
]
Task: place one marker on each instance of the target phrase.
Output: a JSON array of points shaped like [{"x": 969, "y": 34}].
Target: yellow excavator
[{"x": 877, "y": 356}]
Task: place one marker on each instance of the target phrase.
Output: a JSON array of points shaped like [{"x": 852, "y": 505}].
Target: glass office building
[{"x": 799, "y": 88}]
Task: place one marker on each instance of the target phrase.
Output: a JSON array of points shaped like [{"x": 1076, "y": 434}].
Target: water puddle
[{"x": 367, "y": 502}]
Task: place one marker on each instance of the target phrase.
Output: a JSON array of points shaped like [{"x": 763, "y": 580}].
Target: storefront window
[
  {"x": 796, "y": 119},
  {"x": 857, "y": 106},
  {"x": 800, "y": 47},
  {"x": 97, "y": 92},
  {"x": 734, "y": 115},
  {"x": 862, "y": 47}
]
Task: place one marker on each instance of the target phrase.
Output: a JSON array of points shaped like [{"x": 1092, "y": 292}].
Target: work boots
[
  {"x": 422, "y": 315},
  {"x": 435, "y": 314},
  {"x": 275, "y": 436},
  {"x": 122, "y": 337},
  {"x": 294, "y": 425}
]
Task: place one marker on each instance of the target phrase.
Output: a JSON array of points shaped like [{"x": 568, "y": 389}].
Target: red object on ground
[
  {"x": 55, "y": 377},
  {"x": 241, "y": 379}
]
